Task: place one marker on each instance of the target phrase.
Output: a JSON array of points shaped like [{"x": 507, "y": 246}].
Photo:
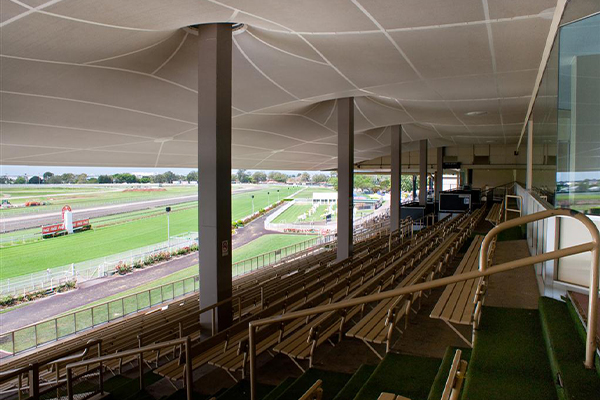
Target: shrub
[
  {"x": 138, "y": 264},
  {"x": 123, "y": 268}
]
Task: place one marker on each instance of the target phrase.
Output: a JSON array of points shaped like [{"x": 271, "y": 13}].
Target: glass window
[{"x": 578, "y": 164}]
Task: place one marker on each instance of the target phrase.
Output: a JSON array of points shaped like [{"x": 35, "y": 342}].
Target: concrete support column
[
  {"x": 396, "y": 189},
  {"x": 439, "y": 173},
  {"x": 345, "y": 177},
  {"x": 214, "y": 169},
  {"x": 529, "y": 175},
  {"x": 423, "y": 172}
]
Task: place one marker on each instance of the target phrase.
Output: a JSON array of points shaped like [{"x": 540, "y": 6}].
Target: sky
[{"x": 14, "y": 170}]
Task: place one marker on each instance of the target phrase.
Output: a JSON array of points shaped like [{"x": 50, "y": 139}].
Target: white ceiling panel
[{"x": 87, "y": 82}]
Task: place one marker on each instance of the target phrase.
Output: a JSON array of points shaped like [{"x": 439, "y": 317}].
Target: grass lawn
[
  {"x": 290, "y": 216},
  {"x": 267, "y": 243},
  {"x": 308, "y": 192}
]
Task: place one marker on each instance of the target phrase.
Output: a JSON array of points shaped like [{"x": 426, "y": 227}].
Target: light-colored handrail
[
  {"x": 137, "y": 352},
  {"x": 482, "y": 272},
  {"x": 594, "y": 246}
]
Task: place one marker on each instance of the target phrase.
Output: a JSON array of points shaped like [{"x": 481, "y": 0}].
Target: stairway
[{"x": 509, "y": 359}]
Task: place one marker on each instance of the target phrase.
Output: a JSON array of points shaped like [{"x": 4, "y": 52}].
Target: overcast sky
[{"x": 30, "y": 171}]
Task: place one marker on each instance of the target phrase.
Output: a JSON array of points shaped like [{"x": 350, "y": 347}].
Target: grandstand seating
[{"x": 379, "y": 264}]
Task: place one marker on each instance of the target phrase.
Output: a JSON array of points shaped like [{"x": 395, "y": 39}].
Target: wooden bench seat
[{"x": 458, "y": 303}]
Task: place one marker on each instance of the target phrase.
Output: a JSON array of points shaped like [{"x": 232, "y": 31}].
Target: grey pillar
[
  {"x": 423, "y": 172},
  {"x": 396, "y": 188},
  {"x": 529, "y": 175},
  {"x": 345, "y": 177},
  {"x": 214, "y": 169},
  {"x": 439, "y": 173}
]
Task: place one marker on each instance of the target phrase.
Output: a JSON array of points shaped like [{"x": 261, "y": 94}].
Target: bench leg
[
  {"x": 373, "y": 349},
  {"x": 460, "y": 335},
  {"x": 297, "y": 364}
]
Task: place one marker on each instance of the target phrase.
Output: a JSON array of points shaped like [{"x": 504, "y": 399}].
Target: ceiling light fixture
[{"x": 475, "y": 113}]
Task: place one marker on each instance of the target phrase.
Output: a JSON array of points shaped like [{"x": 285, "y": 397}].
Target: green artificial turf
[
  {"x": 282, "y": 387},
  {"x": 132, "y": 387},
  {"x": 333, "y": 382},
  {"x": 567, "y": 352},
  {"x": 515, "y": 233},
  {"x": 581, "y": 330},
  {"x": 442, "y": 376},
  {"x": 509, "y": 359},
  {"x": 400, "y": 374},
  {"x": 241, "y": 390},
  {"x": 356, "y": 382}
]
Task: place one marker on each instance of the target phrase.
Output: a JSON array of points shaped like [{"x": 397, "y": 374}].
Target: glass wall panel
[{"x": 578, "y": 166}]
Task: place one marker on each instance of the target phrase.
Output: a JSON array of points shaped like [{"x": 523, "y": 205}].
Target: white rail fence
[{"x": 52, "y": 278}]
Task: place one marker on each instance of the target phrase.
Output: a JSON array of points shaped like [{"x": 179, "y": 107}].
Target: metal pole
[
  {"x": 252, "y": 344},
  {"x": 188, "y": 368},
  {"x": 590, "y": 344}
]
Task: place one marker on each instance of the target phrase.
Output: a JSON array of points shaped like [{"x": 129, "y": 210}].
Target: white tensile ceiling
[{"x": 114, "y": 83}]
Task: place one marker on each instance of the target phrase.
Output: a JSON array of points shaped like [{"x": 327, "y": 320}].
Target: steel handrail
[
  {"x": 592, "y": 246},
  {"x": 139, "y": 352},
  {"x": 590, "y": 345}
]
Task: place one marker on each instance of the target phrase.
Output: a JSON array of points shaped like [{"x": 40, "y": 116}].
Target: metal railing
[
  {"x": 273, "y": 257},
  {"x": 507, "y": 208},
  {"x": 54, "y": 329},
  {"x": 53, "y": 382},
  {"x": 483, "y": 271},
  {"x": 139, "y": 352}
]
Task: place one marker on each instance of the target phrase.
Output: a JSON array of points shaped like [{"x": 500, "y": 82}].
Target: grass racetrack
[{"x": 26, "y": 258}]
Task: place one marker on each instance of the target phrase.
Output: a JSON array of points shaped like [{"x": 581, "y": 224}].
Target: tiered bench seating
[
  {"x": 378, "y": 326},
  {"x": 460, "y": 303},
  {"x": 495, "y": 214}
]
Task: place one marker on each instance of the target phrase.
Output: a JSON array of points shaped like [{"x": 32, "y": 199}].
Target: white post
[
  {"x": 168, "y": 231},
  {"x": 529, "y": 176}
]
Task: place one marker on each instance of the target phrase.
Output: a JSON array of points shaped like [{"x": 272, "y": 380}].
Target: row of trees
[
  {"x": 243, "y": 176},
  {"x": 373, "y": 183},
  {"x": 50, "y": 178}
]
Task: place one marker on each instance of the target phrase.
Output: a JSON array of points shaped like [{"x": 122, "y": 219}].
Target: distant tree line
[
  {"x": 68, "y": 178},
  {"x": 243, "y": 176}
]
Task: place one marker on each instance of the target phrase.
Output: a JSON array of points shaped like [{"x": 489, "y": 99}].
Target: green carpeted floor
[
  {"x": 282, "y": 387},
  {"x": 516, "y": 233},
  {"x": 567, "y": 352},
  {"x": 442, "y": 376},
  {"x": 357, "y": 381},
  {"x": 333, "y": 382},
  {"x": 400, "y": 374},
  {"x": 241, "y": 390},
  {"x": 509, "y": 360}
]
